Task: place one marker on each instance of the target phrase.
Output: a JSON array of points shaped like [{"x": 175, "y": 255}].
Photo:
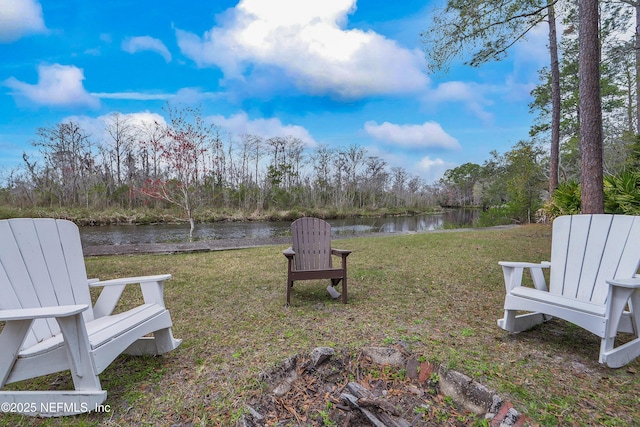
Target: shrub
[
  {"x": 622, "y": 193},
  {"x": 621, "y": 196},
  {"x": 501, "y": 215},
  {"x": 565, "y": 201}
]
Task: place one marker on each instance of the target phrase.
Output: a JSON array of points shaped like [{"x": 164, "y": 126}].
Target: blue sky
[{"x": 332, "y": 72}]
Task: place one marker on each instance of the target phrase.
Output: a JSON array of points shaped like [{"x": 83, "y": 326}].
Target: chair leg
[
  {"x": 512, "y": 323},
  {"x": 344, "y": 289},
  {"x": 11, "y": 339},
  {"x": 289, "y": 286},
  {"x": 161, "y": 342},
  {"x": 616, "y": 357},
  {"x": 344, "y": 278},
  {"x": 334, "y": 283},
  {"x": 79, "y": 353}
]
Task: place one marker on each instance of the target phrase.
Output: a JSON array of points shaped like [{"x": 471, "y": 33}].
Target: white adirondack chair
[
  {"x": 593, "y": 283},
  {"x": 50, "y": 324}
]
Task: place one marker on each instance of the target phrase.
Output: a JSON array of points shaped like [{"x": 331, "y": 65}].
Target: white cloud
[
  {"x": 11, "y": 154},
  {"x": 184, "y": 96},
  {"x": 472, "y": 95},
  {"x": 428, "y": 169},
  {"x": 96, "y": 126},
  {"x": 143, "y": 118},
  {"x": 90, "y": 125},
  {"x": 456, "y": 91},
  {"x": 431, "y": 169},
  {"x": 534, "y": 49},
  {"x": 134, "y": 96},
  {"x": 308, "y": 41},
  {"x": 58, "y": 86},
  {"x": 426, "y": 135},
  {"x": 529, "y": 56},
  {"x": 189, "y": 95},
  {"x": 240, "y": 124},
  {"x": 143, "y": 43},
  {"x": 20, "y": 18}
]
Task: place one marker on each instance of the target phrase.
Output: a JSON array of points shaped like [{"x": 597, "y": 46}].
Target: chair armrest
[
  {"x": 340, "y": 252},
  {"x": 289, "y": 252},
  {"x": 543, "y": 264},
  {"x": 129, "y": 280},
  {"x": 626, "y": 283},
  {"x": 513, "y": 274},
  {"x": 152, "y": 292},
  {"x": 41, "y": 312}
]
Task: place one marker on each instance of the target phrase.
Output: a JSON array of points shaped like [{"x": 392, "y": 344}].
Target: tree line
[
  {"x": 584, "y": 141},
  {"x": 189, "y": 163}
]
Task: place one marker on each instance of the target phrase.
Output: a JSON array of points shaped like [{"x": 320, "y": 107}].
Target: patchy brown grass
[{"x": 438, "y": 293}]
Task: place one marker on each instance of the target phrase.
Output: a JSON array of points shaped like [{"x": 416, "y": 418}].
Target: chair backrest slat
[
  {"x": 629, "y": 261},
  {"x": 76, "y": 272},
  {"x": 578, "y": 237},
  {"x": 311, "y": 243},
  {"x": 41, "y": 264},
  {"x": 559, "y": 249},
  {"x": 32, "y": 249},
  {"x": 587, "y": 250},
  {"x": 13, "y": 271}
]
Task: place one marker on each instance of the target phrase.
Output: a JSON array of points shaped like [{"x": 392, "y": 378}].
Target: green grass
[{"x": 439, "y": 293}]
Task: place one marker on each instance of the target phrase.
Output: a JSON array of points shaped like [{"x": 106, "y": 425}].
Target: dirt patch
[{"x": 376, "y": 386}]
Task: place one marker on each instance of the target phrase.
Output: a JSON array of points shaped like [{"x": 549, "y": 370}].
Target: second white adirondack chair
[
  {"x": 52, "y": 326},
  {"x": 593, "y": 283}
]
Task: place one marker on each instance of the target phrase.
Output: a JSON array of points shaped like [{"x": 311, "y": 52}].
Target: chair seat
[
  {"x": 331, "y": 273},
  {"x": 101, "y": 330},
  {"x": 558, "y": 300}
]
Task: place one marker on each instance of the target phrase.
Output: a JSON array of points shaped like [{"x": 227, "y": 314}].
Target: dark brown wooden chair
[{"x": 311, "y": 254}]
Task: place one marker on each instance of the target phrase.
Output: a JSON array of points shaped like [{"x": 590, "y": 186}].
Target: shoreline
[{"x": 84, "y": 218}]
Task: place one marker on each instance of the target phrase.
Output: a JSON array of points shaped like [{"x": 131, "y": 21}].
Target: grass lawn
[{"x": 440, "y": 293}]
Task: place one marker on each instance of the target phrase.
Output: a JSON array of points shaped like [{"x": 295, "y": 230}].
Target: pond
[{"x": 164, "y": 233}]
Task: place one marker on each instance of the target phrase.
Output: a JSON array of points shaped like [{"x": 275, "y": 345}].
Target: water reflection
[{"x": 163, "y": 233}]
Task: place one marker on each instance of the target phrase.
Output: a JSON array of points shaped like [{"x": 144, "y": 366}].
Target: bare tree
[
  {"x": 400, "y": 177},
  {"x": 294, "y": 154},
  {"x": 321, "y": 163},
  {"x": 122, "y": 134},
  {"x": 68, "y": 163},
  {"x": 151, "y": 137},
  {"x": 353, "y": 157},
  {"x": 375, "y": 180}
]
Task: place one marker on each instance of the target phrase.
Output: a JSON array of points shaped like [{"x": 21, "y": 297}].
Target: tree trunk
[
  {"x": 590, "y": 109},
  {"x": 637, "y": 9},
  {"x": 554, "y": 160}
]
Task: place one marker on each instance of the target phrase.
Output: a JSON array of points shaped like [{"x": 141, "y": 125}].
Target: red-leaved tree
[{"x": 182, "y": 154}]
